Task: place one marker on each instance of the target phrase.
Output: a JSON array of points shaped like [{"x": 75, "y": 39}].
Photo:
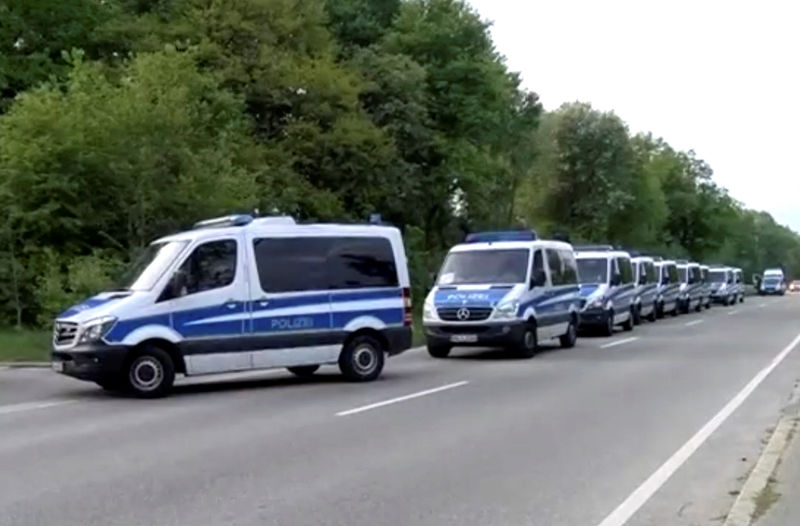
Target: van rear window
[{"x": 324, "y": 263}]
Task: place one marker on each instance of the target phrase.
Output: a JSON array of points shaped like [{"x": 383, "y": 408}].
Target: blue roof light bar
[{"x": 501, "y": 235}]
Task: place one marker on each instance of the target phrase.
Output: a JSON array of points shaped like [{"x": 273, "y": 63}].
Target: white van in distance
[
  {"x": 503, "y": 289},
  {"x": 238, "y": 293}
]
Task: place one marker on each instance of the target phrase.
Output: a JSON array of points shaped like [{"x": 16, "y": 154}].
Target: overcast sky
[{"x": 719, "y": 77}]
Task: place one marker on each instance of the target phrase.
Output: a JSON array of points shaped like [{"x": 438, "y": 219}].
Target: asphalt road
[{"x": 478, "y": 439}]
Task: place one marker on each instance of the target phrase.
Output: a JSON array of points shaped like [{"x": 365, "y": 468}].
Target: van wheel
[
  {"x": 699, "y": 306},
  {"x": 636, "y": 314},
  {"x": 361, "y": 359},
  {"x": 439, "y": 351},
  {"x": 741, "y": 298},
  {"x": 628, "y": 325},
  {"x": 659, "y": 309},
  {"x": 528, "y": 344},
  {"x": 150, "y": 373},
  {"x": 607, "y": 328},
  {"x": 569, "y": 338},
  {"x": 303, "y": 370},
  {"x": 653, "y": 315}
]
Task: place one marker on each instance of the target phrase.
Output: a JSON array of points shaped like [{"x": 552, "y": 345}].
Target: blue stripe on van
[
  {"x": 124, "y": 327},
  {"x": 393, "y": 316}
]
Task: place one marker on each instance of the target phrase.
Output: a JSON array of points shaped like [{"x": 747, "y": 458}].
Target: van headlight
[
  {"x": 95, "y": 329},
  {"x": 506, "y": 310},
  {"x": 596, "y": 303},
  {"x": 429, "y": 311}
]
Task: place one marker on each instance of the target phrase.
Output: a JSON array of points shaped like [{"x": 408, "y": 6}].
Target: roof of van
[
  {"x": 500, "y": 245},
  {"x": 283, "y": 226},
  {"x": 643, "y": 258},
  {"x": 601, "y": 254},
  {"x": 666, "y": 262}
]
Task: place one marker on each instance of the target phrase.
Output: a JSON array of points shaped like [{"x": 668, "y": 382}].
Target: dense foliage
[{"x": 123, "y": 120}]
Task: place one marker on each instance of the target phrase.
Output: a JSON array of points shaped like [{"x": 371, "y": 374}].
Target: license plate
[
  {"x": 58, "y": 367},
  {"x": 464, "y": 338}
]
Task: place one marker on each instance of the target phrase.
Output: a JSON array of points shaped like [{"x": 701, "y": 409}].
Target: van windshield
[
  {"x": 717, "y": 276},
  {"x": 145, "y": 271},
  {"x": 485, "y": 266},
  {"x": 682, "y": 273},
  {"x": 593, "y": 270}
]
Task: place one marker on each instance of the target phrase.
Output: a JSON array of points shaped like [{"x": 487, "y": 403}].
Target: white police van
[
  {"x": 721, "y": 283},
  {"x": 238, "y": 293},
  {"x": 691, "y": 289},
  {"x": 504, "y": 289},
  {"x": 668, "y": 299},
  {"x": 607, "y": 288},
  {"x": 706, "y": 289},
  {"x": 738, "y": 284},
  {"x": 646, "y": 280},
  {"x": 773, "y": 282}
]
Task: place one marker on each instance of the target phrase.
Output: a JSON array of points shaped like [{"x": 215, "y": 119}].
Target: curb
[
  {"x": 20, "y": 365},
  {"x": 745, "y": 510}
]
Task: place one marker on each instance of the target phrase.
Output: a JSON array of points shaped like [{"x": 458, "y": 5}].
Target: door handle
[
  {"x": 263, "y": 303},
  {"x": 231, "y": 304}
]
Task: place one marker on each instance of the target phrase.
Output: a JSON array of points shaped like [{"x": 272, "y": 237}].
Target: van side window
[
  {"x": 554, "y": 262},
  {"x": 537, "y": 265},
  {"x": 672, "y": 272},
  {"x": 362, "y": 262},
  {"x": 292, "y": 264},
  {"x": 211, "y": 266},
  {"x": 570, "y": 266},
  {"x": 650, "y": 271},
  {"x": 625, "y": 269}
]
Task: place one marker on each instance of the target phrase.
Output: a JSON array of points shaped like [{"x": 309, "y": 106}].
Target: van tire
[
  {"x": 569, "y": 339},
  {"x": 636, "y": 314},
  {"x": 361, "y": 359},
  {"x": 112, "y": 385},
  {"x": 528, "y": 344},
  {"x": 149, "y": 373},
  {"x": 439, "y": 351},
  {"x": 304, "y": 371},
  {"x": 628, "y": 325},
  {"x": 653, "y": 315},
  {"x": 659, "y": 310},
  {"x": 607, "y": 329},
  {"x": 741, "y": 298}
]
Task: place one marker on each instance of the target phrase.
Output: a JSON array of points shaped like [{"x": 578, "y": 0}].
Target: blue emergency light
[
  {"x": 220, "y": 222},
  {"x": 501, "y": 235}
]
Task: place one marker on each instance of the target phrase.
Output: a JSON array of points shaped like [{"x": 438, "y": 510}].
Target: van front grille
[
  {"x": 64, "y": 333},
  {"x": 464, "y": 313}
]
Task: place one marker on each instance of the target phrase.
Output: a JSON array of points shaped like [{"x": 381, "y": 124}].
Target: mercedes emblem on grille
[{"x": 462, "y": 314}]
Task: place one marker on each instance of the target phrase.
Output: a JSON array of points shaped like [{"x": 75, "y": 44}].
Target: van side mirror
[
  {"x": 616, "y": 279},
  {"x": 643, "y": 279},
  {"x": 538, "y": 279},
  {"x": 665, "y": 280}
]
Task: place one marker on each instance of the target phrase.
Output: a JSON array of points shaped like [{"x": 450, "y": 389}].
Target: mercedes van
[
  {"x": 505, "y": 289},
  {"x": 238, "y": 293},
  {"x": 608, "y": 288}
]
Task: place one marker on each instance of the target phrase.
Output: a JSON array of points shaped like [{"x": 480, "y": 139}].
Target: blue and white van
[
  {"x": 738, "y": 284},
  {"x": 607, "y": 288},
  {"x": 667, "y": 301},
  {"x": 721, "y": 283},
  {"x": 238, "y": 293},
  {"x": 503, "y": 289},
  {"x": 691, "y": 289},
  {"x": 706, "y": 289},
  {"x": 644, "y": 275},
  {"x": 773, "y": 282}
]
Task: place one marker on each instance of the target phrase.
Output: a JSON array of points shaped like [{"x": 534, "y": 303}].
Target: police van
[
  {"x": 503, "y": 289},
  {"x": 668, "y": 298},
  {"x": 644, "y": 275},
  {"x": 691, "y": 288},
  {"x": 607, "y": 288},
  {"x": 238, "y": 293},
  {"x": 706, "y": 288},
  {"x": 738, "y": 284},
  {"x": 773, "y": 282},
  {"x": 721, "y": 285}
]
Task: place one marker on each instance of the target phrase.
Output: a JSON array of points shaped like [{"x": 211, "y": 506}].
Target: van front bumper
[
  {"x": 593, "y": 317},
  {"x": 492, "y": 335},
  {"x": 93, "y": 362}
]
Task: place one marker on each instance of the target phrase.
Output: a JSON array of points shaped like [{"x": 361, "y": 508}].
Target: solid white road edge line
[
  {"x": 401, "y": 398},
  {"x": 649, "y": 487},
  {"x": 695, "y": 322},
  {"x": 31, "y": 406},
  {"x": 619, "y": 342},
  {"x": 761, "y": 306},
  {"x": 733, "y": 312}
]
